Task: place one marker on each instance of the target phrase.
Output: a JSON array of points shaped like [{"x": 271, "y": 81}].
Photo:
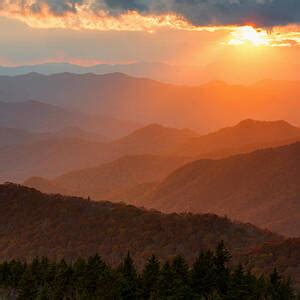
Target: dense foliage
[
  {"x": 208, "y": 278},
  {"x": 33, "y": 225}
]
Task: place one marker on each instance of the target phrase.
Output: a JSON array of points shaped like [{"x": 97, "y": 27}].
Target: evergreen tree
[
  {"x": 129, "y": 282},
  {"x": 278, "y": 288},
  {"x": 150, "y": 277},
  {"x": 181, "y": 278},
  {"x": 62, "y": 283},
  {"x": 203, "y": 276},
  {"x": 209, "y": 278},
  {"x": 165, "y": 282},
  {"x": 222, "y": 257}
]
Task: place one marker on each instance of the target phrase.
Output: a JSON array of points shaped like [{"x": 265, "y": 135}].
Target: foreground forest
[
  {"x": 34, "y": 224},
  {"x": 209, "y": 277}
]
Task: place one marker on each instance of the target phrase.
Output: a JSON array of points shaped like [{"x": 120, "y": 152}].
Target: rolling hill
[
  {"x": 55, "y": 156},
  {"x": 41, "y": 117},
  {"x": 262, "y": 188},
  {"x": 130, "y": 178},
  {"x": 14, "y": 136},
  {"x": 112, "y": 180},
  {"x": 246, "y": 136},
  {"x": 50, "y": 157},
  {"x": 203, "y": 108},
  {"x": 153, "y": 139},
  {"x": 35, "y": 224}
]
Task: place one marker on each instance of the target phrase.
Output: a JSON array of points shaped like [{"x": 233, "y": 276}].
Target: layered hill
[
  {"x": 113, "y": 180},
  {"x": 246, "y": 136},
  {"x": 240, "y": 71},
  {"x": 14, "y": 136},
  {"x": 154, "y": 139},
  {"x": 35, "y": 224},
  {"x": 262, "y": 187},
  {"x": 55, "y": 156},
  {"x": 131, "y": 178},
  {"x": 49, "y": 157},
  {"x": 203, "y": 108},
  {"x": 41, "y": 117}
]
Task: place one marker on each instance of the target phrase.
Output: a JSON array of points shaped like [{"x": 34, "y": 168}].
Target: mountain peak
[{"x": 247, "y": 123}]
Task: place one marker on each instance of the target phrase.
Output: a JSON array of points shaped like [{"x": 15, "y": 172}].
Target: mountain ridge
[{"x": 259, "y": 187}]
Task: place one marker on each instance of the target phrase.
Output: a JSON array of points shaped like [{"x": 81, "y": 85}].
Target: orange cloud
[
  {"x": 277, "y": 37},
  {"x": 83, "y": 17}
]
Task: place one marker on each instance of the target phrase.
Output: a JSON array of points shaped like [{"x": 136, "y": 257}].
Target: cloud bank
[{"x": 263, "y": 13}]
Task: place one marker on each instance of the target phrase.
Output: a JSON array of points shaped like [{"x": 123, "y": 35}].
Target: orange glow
[
  {"x": 278, "y": 37},
  {"x": 86, "y": 19},
  {"x": 248, "y": 34}
]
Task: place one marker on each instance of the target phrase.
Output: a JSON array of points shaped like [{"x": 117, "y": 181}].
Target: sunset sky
[{"x": 186, "y": 32}]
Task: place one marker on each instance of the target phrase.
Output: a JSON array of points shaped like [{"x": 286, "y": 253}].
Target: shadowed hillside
[
  {"x": 285, "y": 255},
  {"x": 262, "y": 187},
  {"x": 35, "y": 224}
]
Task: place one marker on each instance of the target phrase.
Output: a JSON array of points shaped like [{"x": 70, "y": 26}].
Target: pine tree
[
  {"x": 203, "y": 274},
  {"x": 150, "y": 277},
  {"x": 222, "y": 257},
  {"x": 181, "y": 288},
  {"x": 129, "y": 284},
  {"x": 165, "y": 282},
  {"x": 278, "y": 288},
  {"x": 62, "y": 281}
]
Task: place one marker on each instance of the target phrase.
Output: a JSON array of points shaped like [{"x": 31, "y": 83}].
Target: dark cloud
[
  {"x": 198, "y": 12},
  {"x": 219, "y": 12}
]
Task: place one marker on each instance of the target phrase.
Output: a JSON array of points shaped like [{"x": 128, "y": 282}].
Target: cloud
[{"x": 265, "y": 13}]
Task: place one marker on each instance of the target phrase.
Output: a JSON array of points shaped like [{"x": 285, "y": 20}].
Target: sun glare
[{"x": 249, "y": 35}]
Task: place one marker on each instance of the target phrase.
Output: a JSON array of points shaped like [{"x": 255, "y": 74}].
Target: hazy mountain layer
[
  {"x": 40, "y": 117},
  {"x": 262, "y": 187},
  {"x": 239, "y": 72},
  {"x": 203, "y": 108}
]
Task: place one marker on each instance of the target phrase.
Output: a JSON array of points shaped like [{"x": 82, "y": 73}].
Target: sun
[{"x": 249, "y": 35}]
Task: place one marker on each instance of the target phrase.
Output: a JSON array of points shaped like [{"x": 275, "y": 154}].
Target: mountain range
[
  {"x": 261, "y": 187},
  {"x": 167, "y": 149},
  {"x": 55, "y": 156},
  {"x": 40, "y": 117},
  {"x": 113, "y": 180},
  {"x": 202, "y": 108},
  {"x": 239, "y": 71}
]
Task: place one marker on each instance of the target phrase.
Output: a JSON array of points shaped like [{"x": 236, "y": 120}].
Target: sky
[{"x": 182, "y": 32}]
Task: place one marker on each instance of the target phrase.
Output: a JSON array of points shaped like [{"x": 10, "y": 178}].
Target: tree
[
  {"x": 222, "y": 257},
  {"x": 165, "y": 282},
  {"x": 182, "y": 288},
  {"x": 150, "y": 277},
  {"x": 203, "y": 276},
  {"x": 129, "y": 283},
  {"x": 278, "y": 288}
]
